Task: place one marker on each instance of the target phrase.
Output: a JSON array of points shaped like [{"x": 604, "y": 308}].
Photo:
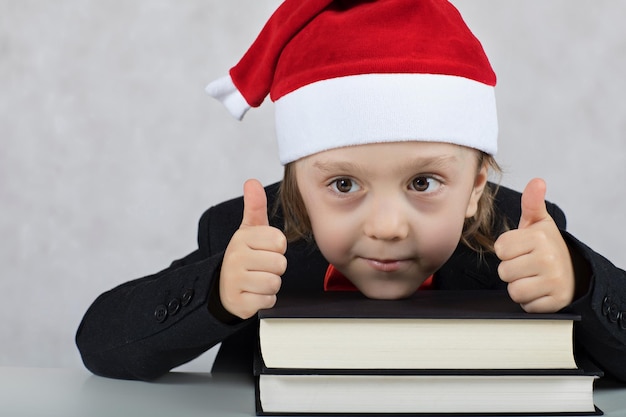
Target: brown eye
[
  {"x": 425, "y": 184},
  {"x": 344, "y": 185},
  {"x": 421, "y": 183}
]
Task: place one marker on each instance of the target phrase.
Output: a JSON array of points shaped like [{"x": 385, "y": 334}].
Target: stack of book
[{"x": 439, "y": 352}]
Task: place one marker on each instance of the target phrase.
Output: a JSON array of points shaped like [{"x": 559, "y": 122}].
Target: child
[{"x": 386, "y": 124}]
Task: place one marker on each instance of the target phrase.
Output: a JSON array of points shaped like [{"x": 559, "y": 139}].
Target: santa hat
[{"x": 350, "y": 72}]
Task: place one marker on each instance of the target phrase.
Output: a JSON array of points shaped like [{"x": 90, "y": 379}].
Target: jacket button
[
  {"x": 614, "y": 314},
  {"x": 173, "y": 306},
  {"x": 186, "y": 297},
  {"x": 160, "y": 313},
  {"x": 606, "y": 305}
]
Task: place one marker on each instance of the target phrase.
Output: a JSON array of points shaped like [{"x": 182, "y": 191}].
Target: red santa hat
[{"x": 351, "y": 72}]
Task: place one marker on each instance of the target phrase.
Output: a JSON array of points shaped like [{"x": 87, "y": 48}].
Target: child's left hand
[{"x": 536, "y": 261}]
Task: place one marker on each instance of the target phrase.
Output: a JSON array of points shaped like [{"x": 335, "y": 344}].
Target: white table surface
[{"x": 44, "y": 392}]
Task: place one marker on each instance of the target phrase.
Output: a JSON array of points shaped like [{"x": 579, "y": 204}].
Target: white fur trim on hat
[
  {"x": 373, "y": 108},
  {"x": 225, "y": 91}
]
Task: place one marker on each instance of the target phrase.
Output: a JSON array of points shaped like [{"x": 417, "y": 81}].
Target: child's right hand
[{"x": 254, "y": 259}]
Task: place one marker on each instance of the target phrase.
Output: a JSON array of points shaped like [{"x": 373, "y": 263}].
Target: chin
[{"x": 388, "y": 293}]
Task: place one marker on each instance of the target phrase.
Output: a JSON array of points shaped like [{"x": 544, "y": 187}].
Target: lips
[{"x": 387, "y": 265}]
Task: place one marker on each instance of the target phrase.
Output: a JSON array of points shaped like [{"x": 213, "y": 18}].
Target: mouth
[{"x": 387, "y": 265}]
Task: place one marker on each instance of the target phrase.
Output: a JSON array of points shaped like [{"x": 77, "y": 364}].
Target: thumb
[
  {"x": 254, "y": 204},
  {"x": 533, "y": 203}
]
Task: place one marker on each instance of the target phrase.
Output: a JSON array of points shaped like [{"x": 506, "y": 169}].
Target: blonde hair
[{"x": 478, "y": 230}]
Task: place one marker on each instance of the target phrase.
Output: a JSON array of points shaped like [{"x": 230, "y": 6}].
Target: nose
[{"x": 386, "y": 220}]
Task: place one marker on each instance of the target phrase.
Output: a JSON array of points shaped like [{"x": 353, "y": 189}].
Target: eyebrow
[
  {"x": 335, "y": 166},
  {"x": 418, "y": 163}
]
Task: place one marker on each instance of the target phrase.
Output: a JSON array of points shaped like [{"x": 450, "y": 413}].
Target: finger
[
  {"x": 262, "y": 283},
  {"x": 254, "y": 204},
  {"x": 526, "y": 290},
  {"x": 255, "y": 302},
  {"x": 545, "y": 304},
  {"x": 518, "y": 268},
  {"x": 533, "y": 203},
  {"x": 513, "y": 244},
  {"x": 268, "y": 239},
  {"x": 266, "y": 261}
]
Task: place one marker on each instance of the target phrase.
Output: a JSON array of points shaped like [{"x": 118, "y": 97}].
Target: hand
[
  {"x": 536, "y": 261},
  {"x": 254, "y": 259}
]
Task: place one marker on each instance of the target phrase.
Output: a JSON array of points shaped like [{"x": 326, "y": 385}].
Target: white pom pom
[{"x": 225, "y": 91}]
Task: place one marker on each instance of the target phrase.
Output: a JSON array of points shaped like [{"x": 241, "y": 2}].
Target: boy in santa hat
[{"x": 386, "y": 124}]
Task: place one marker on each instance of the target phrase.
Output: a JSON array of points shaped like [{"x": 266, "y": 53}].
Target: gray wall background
[{"x": 110, "y": 149}]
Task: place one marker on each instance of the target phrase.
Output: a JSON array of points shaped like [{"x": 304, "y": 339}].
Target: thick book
[
  {"x": 430, "y": 330},
  {"x": 425, "y": 392}
]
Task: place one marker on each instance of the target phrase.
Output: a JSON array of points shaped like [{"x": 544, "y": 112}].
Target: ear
[{"x": 480, "y": 182}]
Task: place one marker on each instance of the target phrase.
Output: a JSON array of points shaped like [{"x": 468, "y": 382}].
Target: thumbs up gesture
[
  {"x": 536, "y": 261},
  {"x": 254, "y": 259}
]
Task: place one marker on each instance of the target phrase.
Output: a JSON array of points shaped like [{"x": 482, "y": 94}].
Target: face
[{"x": 389, "y": 215}]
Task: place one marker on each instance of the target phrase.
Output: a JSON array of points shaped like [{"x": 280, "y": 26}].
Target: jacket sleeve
[
  {"x": 602, "y": 329},
  {"x": 144, "y": 328}
]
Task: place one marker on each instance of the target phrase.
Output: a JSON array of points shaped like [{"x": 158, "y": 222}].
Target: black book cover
[{"x": 423, "y": 304}]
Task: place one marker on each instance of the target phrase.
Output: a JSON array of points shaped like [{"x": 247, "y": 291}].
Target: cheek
[
  {"x": 438, "y": 237},
  {"x": 334, "y": 250},
  {"x": 333, "y": 232}
]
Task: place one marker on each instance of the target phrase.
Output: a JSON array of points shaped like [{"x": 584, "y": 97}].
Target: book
[
  {"x": 430, "y": 330},
  {"x": 472, "y": 392}
]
